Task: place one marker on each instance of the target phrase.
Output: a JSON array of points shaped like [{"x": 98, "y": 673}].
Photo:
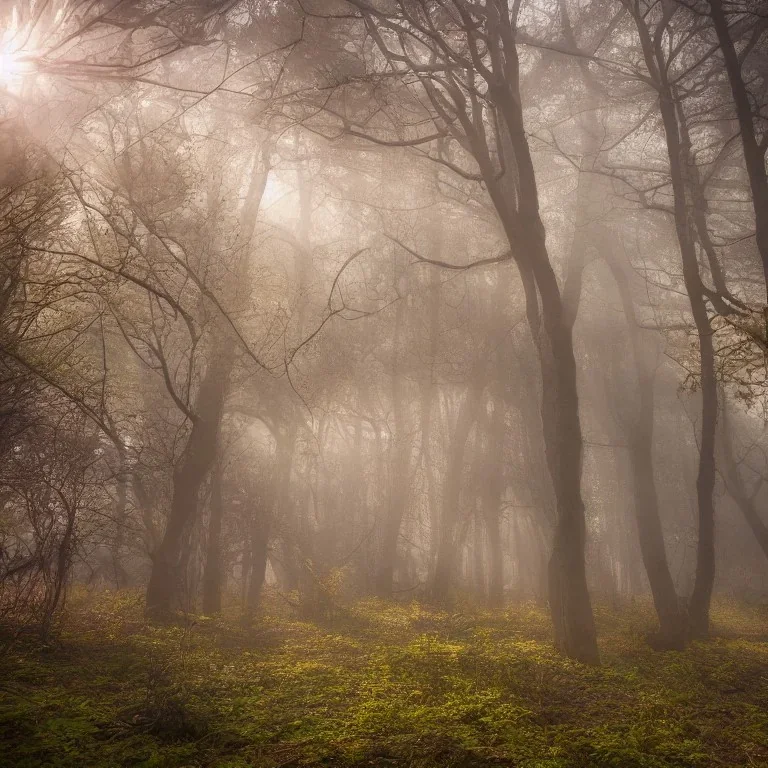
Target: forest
[{"x": 383, "y": 383}]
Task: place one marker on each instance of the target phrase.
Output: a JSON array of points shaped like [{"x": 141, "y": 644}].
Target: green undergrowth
[{"x": 384, "y": 685}]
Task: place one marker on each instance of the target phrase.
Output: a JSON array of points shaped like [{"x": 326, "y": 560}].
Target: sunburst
[{"x": 15, "y": 61}]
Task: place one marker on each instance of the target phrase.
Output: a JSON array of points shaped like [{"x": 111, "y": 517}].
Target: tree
[
  {"x": 458, "y": 64},
  {"x": 753, "y": 145}
]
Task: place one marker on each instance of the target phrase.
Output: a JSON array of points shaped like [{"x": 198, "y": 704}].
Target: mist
[{"x": 383, "y": 382}]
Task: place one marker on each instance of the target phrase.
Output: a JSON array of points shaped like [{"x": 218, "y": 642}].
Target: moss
[{"x": 387, "y": 684}]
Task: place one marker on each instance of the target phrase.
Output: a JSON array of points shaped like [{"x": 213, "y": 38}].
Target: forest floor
[{"x": 383, "y": 685}]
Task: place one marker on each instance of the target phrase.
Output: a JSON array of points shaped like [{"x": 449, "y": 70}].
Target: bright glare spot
[
  {"x": 9, "y": 65},
  {"x": 14, "y": 62},
  {"x": 13, "y": 67},
  {"x": 274, "y": 191}
]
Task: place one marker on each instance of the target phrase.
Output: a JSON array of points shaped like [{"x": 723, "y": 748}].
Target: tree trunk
[
  {"x": 245, "y": 572},
  {"x": 754, "y": 153},
  {"x": 284, "y": 513},
  {"x": 428, "y": 396},
  {"x": 120, "y": 575},
  {"x": 701, "y": 596},
  {"x": 490, "y": 498},
  {"x": 166, "y": 583},
  {"x": 496, "y": 560},
  {"x": 493, "y": 426},
  {"x": 679, "y": 160},
  {"x": 672, "y": 624},
  {"x": 478, "y": 557},
  {"x": 61, "y": 574},
  {"x": 214, "y": 570},
  {"x": 259, "y": 548},
  {"x": 569, "y": 600},
  {"x": 735, "y": 486},
  {"x": 400, "y": 468},
  {"x": 570, "y": 605},
  {"x": 447, "y": 552},
  {"x": 568, "y": 594}
]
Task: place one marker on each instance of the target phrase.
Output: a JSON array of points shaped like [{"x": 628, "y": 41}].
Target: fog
[{"x": 437, "y": 301}]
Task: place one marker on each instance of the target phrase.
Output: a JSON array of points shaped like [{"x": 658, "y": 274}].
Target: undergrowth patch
[{"x": 386, "y": 684}]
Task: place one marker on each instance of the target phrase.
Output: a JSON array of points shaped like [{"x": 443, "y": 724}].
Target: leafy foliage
[{"x": 384, "y": 685}]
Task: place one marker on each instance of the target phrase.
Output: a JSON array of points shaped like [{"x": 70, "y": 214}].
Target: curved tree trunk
[
  {"x": 490, "y": 33},
  {"x": 166, "y": 588},
  {"x": 679, "y": 160},
  {"x": 166, "y": 583},
  {"x": 568, "y": 594},
  {"x": 672, "y": 621},
  {"x": 570, "y": 604}
]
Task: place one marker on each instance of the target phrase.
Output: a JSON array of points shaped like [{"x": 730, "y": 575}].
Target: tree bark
[
  {"x": 504, "y": 162},
  {"x": 259, "y": 549},
  {"x": 754, "y": 152},
  {"x": 447, "y": 551},
  {"x": 120, "y": 575},
  {"x": 165, "y": 591},
  {"x": 679, "y": 159},
  {"x": 492, "y": 479},
  {"x": 496, "y": 560},
  {"x": 282, "y": 511},
  {"x": 735, "y": 486},
  {"x": 166, "y": 583},
  {"x": 570, "y": 604},
  {"x": 214, "y": 570},
  {"x": 400, "y": 468},
  {"x": 428, "y": 397},
  {"x": 672, "y": 622}
]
